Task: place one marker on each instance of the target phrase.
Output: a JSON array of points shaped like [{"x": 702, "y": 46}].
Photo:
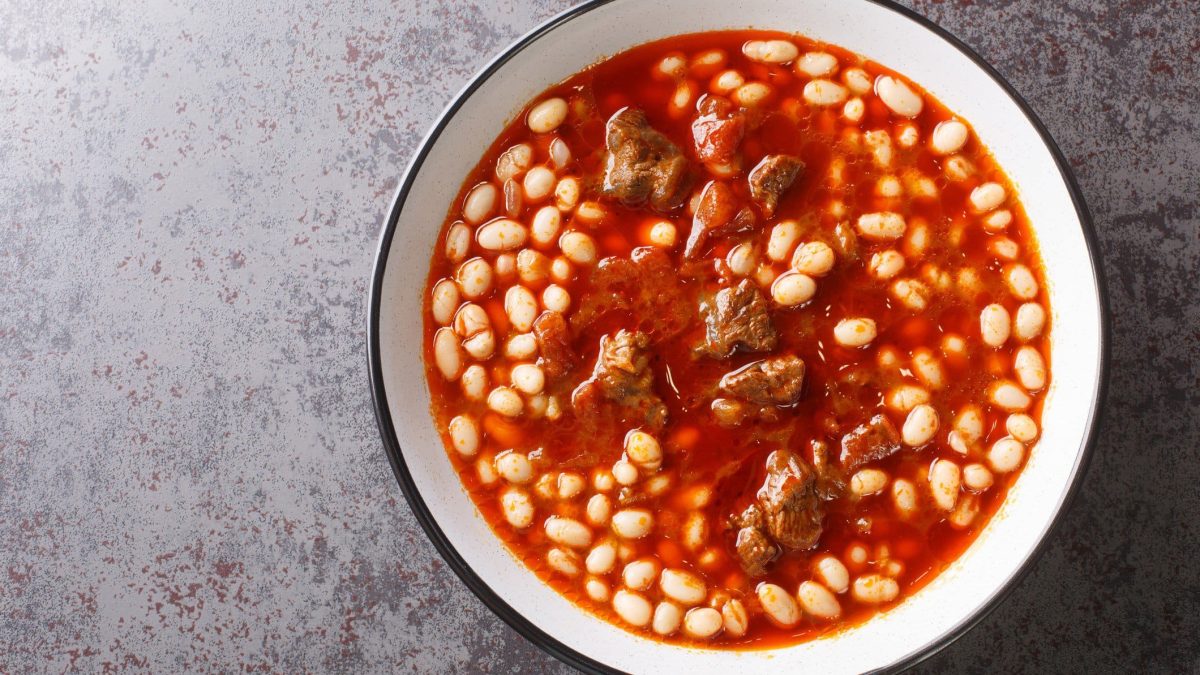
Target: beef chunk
[
  {"x": 771, "y": 178},
  {"x": 645, "y": 286},
  {"x": 755, "y": 550},
  {"x": 718, "y": 131},
  {"x": 554, "y": 344},
  {"x": 641, "y": 164},
  {"x": 775, "y": 381},
  {"x": 869, "y": 442},
  {"x": 717, "y": 215},
  {"x": 787, "y": 513},
  {"x": 622, "y": 375},
  {"x": 737, "y": 319}
]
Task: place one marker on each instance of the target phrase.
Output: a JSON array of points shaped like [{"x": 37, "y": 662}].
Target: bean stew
[{"x": 736, "y": 339}]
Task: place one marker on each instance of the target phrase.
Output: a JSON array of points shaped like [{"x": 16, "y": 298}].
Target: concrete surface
[{"x": 190, "y": 475}]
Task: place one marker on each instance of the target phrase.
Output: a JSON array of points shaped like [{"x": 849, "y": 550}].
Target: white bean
[
  {"x": 568, "y": 532},
  {"x": 1004, "y": 248},
  {"x": 643, "y": 450},
  {"x": 905, "y": 397},
  {"x": 547, "y": 115},
  {"x": 563, "y": 562},
  {"x": 632, "y": 523},
  {"x": 880, "y": 143},
  {"x": 514, "y": 161},
  {"x": 958, "y": 168},
  {"x": 1030, "y": 368},
  {"x": 532, "y": 266},
  {"x": 458, "y": 242},
  {"x": 663, "y": 234},
  {"x": 596, "y": 589},
  {"x": 886, "y": 264},
  {"x": 631, "y": 607},
  {"x": 481, "y": 345},
  {"x": 471, "y": 319},
  {"x": 824, "y": 93},
  {"x": 854, "y": 110},
  {"x": 560, "y": 153},
  {"x": 770, "y": 51},
  {"x": 1030, "y": 321},
  {"x": 920, "y": 426},
  {"x": 988, "y": 196},
  {"x": 474, "y": 278},
  {"x": 501, "y": 234},
  {"x": 480, "y": 203},
  {"x": 569, "y": 485},
  {"x": 505, "y": 401},
  {"x": 514, "y": 467},
  {"x": 867, "y": 482},
  {"x": 694, "y": 532},
  {"x": 881, "y": 226},
  {"x": 475, "y": 382},
  {"x": 928, "y": 369},
  {"x": 485, "y": 468},
  {"x": 667, "y": 618},
  {"x": 751, "y": 94},
  {"x": 521, "y": 347},
  {"x": 897, "y": 96},
  {"x": 948, "y": 137},
  {"x": 944, "y": 480},
  {"x": 1021, "y": 427},
  {"x": 833, "y": 573},
  {"x": 857, "y": 79},
  {"x": 702, "y": 622},
  {"x": 599, "y": 508},
  {"x": 907, "y": 135},
  {"x": 904, "y": 496},
  {"x": 875, "y": 589},
  {"x": 444, "y": 301},
  {"x": 817, "y": 64},
  {"x": 521, "y": 307},
  {"x": 779, "y": 605},
  {"x": 813, "y": 258},
  {"x": 997, "y": 220},
  {"x": 590, "y": 211},
  {"x": 994, "y": 325},
  {"x": 1008, "y": 396},
  {"x": 818, "y": 600},
  {"x": 727, "y": 81},
  {"x": 538, "y": 184},
  {"x": 911, "y": 293},
  {"x": 1005, "y": 455},
  {"x": 672, "y": 65},
  {"x": 1020, "y": 281},
  {"x": 547, "y": 221},
  {"x": 683, "y": 587},
  {"x": 602, "y": 558},
  {"x": 528, "y": 378},
  {"x": 624, "y": 472},
  {"x": 518, "y": 509},
  {"x": 639, "y": 574},
  {"x": 566, "y": 193},
  {"x": 742, "y": 260},
  {"x": 889, "y": 187},
  {"x": 853, "y": 333},
  {"x": 447, "y": 353},
  {"x": 736, "y": 618},
  {"x": 464, "y": 435},
  {"x": 783, "y": 237},
  {"x": 556, "y": 298},
  {"x": 792, "y": 289},
  {"x": 578, "y": 247},
  {"x": 977, "y": 477}
]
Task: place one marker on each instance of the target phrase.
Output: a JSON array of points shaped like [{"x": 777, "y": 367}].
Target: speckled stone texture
[{"x": 190, "y": 474}]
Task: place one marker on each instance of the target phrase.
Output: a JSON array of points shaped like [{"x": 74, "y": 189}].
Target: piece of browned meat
[
  {"x": 646, "y": 287},
  {"x": 641, "y": 164},
  {"x": 718, "y": 131},
  {"x": 554, "y": 344},
  {"x": 622, "y": 375},
  {"x": 787, "y": 512},
  {"x": 717, "y": 215},
  {"x": 778, "y": 381},
  {"x": 738, "y": 319},
  {"x": 771, "y": 178},
  {"x": 869, "y": 442}
]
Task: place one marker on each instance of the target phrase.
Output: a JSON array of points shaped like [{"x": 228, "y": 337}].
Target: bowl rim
[{"x": 425, "y": 517}]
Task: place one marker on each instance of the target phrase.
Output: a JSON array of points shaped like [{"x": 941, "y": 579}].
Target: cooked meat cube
[
  {"x": 622, "y": 375},
  {"x": 718, "y": 131},
  {"x": 790, "y": 503},
  {"x": 554, "y": 344},
  {"x": 737, "y": 319},
  {"x": 787, "y": 513},
  {"x": 755, "y": 550},
  {"x": 644, "y": 286},
  {"x": 771, "y": 178},
  {"x": 775, "y": 381},
  {"x": 717, "y": 215},
  {"x": 869, "y": 442},
  {"x": 641, "y": 164}
]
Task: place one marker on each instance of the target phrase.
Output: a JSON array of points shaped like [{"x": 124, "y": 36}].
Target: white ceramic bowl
[{"x": 885, "y": 33}]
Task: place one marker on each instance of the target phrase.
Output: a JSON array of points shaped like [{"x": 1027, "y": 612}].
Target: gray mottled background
[{"x": 190, "y": 475}]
